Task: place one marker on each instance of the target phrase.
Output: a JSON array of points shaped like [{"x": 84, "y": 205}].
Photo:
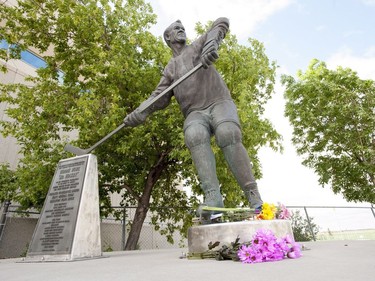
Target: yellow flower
[{"x": 268, "y": 211}]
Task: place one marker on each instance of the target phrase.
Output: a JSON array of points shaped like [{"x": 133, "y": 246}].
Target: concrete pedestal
[
  {"x": 200, "y": 236},
  {"x": 69, "y": 225}
]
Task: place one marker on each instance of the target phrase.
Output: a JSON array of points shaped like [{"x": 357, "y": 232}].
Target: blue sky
[
  {"x": 339, "y": 32},
  {"x": 319, "y": 29}
]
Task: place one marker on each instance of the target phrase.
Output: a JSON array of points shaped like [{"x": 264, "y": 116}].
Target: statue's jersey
[{"x": 202, "y": 89}]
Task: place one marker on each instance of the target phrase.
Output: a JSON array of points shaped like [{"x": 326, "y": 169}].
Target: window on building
[
  {"x": 3, "y": 44},
  {"x": 31, "y": 59},
  {"x": 26, "y": 56}
]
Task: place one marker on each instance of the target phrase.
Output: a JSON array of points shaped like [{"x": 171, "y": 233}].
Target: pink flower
[
  {"x": 283, "y": 213},
  {"x": 282, "y": 245},
  {"x": 265, "y": 246},
  {"x": 263, "y": 235},
  {"x": 294, "y": 252},
  {"x": 288, "y": 239},
  {"x": 248, "y": 254}
]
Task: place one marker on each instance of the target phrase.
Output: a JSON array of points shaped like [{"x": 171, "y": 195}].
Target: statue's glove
[
  {"x": 135, "y": 118},
  {"x": 209, "y": 53}
]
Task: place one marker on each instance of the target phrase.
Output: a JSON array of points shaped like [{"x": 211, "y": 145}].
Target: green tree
[
  {"x": 8, "y": 186},
  {"x": 333, "y": 115},
  {"x": 303, "y": 229},
  {"x": 105, "y": 62}
]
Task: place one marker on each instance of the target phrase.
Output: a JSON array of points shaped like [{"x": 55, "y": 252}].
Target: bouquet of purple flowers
[{"x": 265, "y": 246}]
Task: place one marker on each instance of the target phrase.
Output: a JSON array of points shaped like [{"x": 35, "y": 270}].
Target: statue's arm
[
  {"x": 214, "y": 37},
  {"x": 139, "y": 115}
]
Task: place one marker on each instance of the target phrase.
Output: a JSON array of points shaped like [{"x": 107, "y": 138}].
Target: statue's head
[{"x": 175, "y": 33}]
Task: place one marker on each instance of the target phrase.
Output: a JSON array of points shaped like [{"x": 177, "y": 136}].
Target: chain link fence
[
  {"x": 17, "y": 228},
  {"x": 332, "y": 223},
  {"x": 115, "y": 232}
]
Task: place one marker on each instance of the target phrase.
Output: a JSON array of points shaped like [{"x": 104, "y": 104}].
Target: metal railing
[{"x": 338, "y": 219}]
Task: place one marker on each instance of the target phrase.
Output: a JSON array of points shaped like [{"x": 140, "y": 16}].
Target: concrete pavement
[{"x": 328, "y": 260}]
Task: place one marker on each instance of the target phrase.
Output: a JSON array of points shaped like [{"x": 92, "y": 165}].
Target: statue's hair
[{"x": 168, "y": 30}]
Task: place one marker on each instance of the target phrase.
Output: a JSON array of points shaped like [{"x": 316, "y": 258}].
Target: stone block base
[{"x": 200, "y": 236}]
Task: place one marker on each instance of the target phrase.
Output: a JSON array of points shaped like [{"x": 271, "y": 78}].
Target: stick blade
[{"x": 75, "y": 150}]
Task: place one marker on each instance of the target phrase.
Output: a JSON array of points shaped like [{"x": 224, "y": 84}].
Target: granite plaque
[{"x": 55, "y": 230}]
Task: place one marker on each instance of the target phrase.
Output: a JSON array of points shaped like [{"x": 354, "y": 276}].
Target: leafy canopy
[
  {"x": 7, "y": 183},
  {"x": 333, "y": 115}
]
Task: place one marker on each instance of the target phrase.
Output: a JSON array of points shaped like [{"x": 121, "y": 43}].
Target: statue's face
[{"x": 177, "y": 33}]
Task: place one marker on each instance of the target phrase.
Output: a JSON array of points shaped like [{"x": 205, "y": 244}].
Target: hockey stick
[{"x": 79, "y": 151}]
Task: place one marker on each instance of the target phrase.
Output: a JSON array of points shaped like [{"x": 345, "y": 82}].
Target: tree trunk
[
  {"x": 136, "y": 227},
  {"x": 139, "y": 217},
  {"x": 144, "y": 202}
]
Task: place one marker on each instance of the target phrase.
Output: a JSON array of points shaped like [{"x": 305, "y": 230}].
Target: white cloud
[
  {"x": 369, "y": 2},
  {"x": 364, "y": 65},
  {"x": 244, "y": 15},
  {"x": 320, "y": 28},
  {"x": 350, "y": 33}
]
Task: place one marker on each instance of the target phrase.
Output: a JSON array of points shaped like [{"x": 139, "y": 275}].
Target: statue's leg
[
  {"x": 229, "y": 139},
  {"x": 197, "y": 139}
]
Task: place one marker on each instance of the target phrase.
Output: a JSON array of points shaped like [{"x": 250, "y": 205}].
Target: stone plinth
[
  {"x": 69, "y": 225},
  {"x": 200, "y": 236}
]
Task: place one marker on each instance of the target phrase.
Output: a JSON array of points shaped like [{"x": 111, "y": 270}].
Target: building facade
[{"x": 17, "y": 71}]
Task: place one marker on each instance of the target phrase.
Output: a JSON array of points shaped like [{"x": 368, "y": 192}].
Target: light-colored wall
[
  {"x": 17, "y": 72},
  {"x": 9, "y": 2}
]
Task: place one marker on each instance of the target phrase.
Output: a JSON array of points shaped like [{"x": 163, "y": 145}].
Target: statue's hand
[
  {"x": 209, "y": 54},
  {"x": 135, "y": 118}
]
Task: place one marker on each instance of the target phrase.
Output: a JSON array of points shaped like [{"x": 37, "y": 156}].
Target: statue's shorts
[{"x": 213, "y": 116}]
